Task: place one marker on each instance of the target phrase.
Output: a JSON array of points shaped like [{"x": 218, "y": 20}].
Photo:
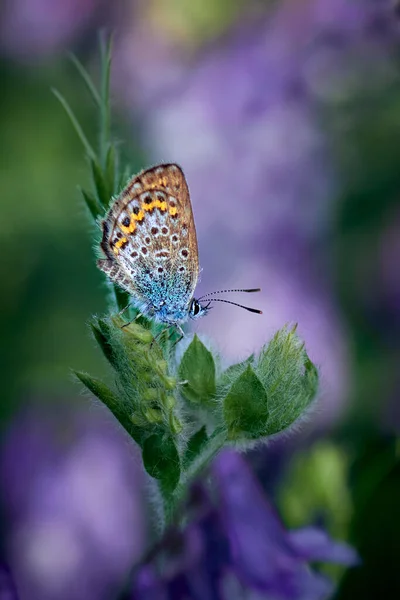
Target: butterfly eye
[{"x": 194, "y": 308}]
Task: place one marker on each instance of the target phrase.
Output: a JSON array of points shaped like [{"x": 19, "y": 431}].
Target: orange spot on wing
[
  {"x": 162, "y": 205},
  {"x": 173, "y": 210},
  {"x": 131, "y": 228},
  {"x": 120, "y": 243}
]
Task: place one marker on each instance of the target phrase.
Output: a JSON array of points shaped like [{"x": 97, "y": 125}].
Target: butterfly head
[{"x": 197, "y": 310}]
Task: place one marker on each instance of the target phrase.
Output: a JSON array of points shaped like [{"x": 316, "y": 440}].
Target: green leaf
[
  {"x": 101, "y": 334},
  {"x": 197, "y": 371},
  {"x": 161, "y": 460},
  {"x": 233, "y": 372},
  {"x": 110, "y": 170},
  {"x": 246, "y": 407},
  {"x": 100, "y": 184},
  {"x": 289, "y": 378},
  {"x": 105, "y": 117},
  {"x": 108, "y": 397},
  {"x": 125, "y": 176},
  {"x": 195, "y": 445},
  {"x": 91, "y": 203},
  {"x": 86, "y": 78},
  {"x": 76, "y": 125},
  {"x": 98, "y": 388}
]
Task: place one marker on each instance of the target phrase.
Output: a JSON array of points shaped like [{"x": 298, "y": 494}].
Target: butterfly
[{"x": 150, "y": 244}]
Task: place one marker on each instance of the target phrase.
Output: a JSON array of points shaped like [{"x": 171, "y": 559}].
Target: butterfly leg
[
  {"x": 169, "y": 335},
  {"x": 158, "y": 337},
  {"x": 121, "y": 312},
  {"x": 132, "y": 320},
  {"x": 182, "y": 335}
]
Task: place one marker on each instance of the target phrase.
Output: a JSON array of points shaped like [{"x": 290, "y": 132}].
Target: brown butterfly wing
[{"x": 149, "y": 237}]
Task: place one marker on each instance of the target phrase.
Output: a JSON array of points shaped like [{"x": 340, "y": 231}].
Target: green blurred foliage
[
  {"x": 365, "y": 131},
  {"x": 196, "y": 22},
  {"x": 316, "y": 487},
  {"x": 50, "y": 285},
  {"x": 375, "y": 527}
]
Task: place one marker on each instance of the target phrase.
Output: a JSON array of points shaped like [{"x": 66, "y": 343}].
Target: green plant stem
[{"x": 171, "y": 502}]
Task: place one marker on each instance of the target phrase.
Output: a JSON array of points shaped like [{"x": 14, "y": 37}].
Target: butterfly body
[{"x": 149, "y": 240}]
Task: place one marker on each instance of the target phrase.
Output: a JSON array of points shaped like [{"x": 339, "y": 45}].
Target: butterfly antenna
[
  {"x": 253, "y": 310},
  {"x": 250, "y": 291}
]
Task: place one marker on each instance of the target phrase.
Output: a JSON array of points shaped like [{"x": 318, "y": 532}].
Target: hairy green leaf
[
  {"x": 103, "y": 339},
  {"x": 109, "y": 174},
  {"x": 161, "y": 460},
  {"x": 114, "y": 404},
  {"x": 289, "y": 378},
  {"x": 100, "y": 184},
  {"x": 195, "y": 445},
  {"x": 246, "y": 407},
  {"x": 197, "y": 372},
  {"x": 91, "y": 203},
  {"x": 230, "y": 374}
]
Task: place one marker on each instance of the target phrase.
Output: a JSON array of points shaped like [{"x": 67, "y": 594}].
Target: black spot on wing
[{"x": 104, "y": 244}]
